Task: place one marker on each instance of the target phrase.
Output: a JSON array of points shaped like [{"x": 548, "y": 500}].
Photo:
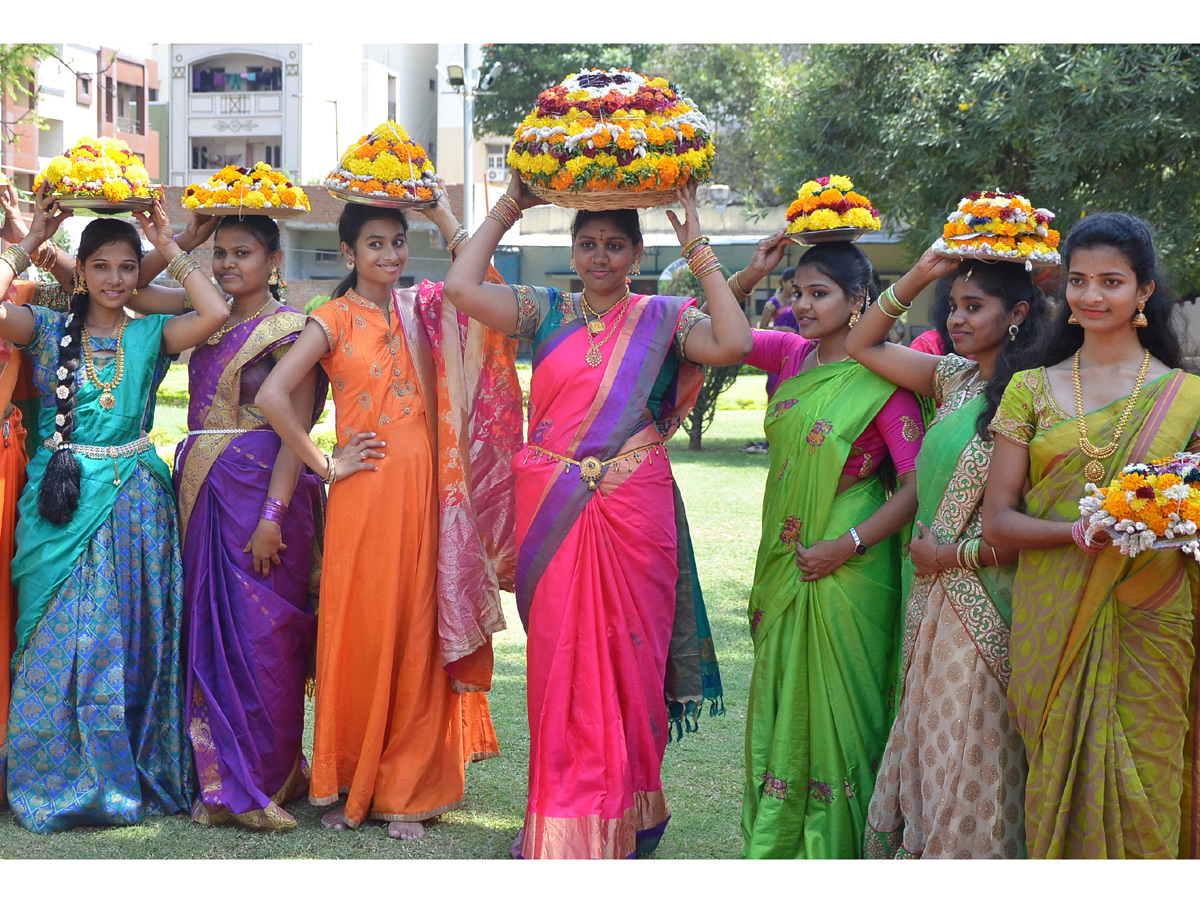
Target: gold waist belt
[{"x": 591, "y": 468}]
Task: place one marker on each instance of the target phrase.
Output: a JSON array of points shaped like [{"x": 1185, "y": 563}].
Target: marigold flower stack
[
  {"x": 827, "y": 204},
  {"x": 612, "y": 139},
  {"x": 97, "y": 171},
  {"x": 259, "y": 189},
  {"x": 386, "y": 167},
  {"x": 1148, "y": 506},
  {"x": 1000, "y": 226}
]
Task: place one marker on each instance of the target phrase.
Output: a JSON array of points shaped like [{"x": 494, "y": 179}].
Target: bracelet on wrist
[
  {"x": 692, "y": 245},
  {"x": 273, "y": 510},
  {"x": 330, "y": 469},
  {"x": 740, "y": 294},
  {"x": 17, "y": 257}
]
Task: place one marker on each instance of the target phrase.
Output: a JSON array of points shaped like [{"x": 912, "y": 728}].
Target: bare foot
[
  {"x": 406, "y": 831},
  {"x": 336, "y": 818}
]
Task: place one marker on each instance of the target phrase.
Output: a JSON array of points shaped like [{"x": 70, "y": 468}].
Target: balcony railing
[
  {"x": 129, "y": 124},
  {"x": 253, "y": 103}
]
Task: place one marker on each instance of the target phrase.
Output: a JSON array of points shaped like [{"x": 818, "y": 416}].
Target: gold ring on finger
[{"x": 362, "y": 456}]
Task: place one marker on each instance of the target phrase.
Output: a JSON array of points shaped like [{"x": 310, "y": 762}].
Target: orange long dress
[{"x": 391, "y": 734}]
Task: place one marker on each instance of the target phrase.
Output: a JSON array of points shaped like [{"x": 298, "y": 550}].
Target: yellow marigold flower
[
  {"x": 387, "y": 167},
  {"x": 576, "y": 165},
  {"x": 254, "y": 199},
  {"x": 821, "y": 219},
  {"x": 58, "y": 167},
  {"x": 841, "y": 182},
  {"x": 659, "y": 84},
  {"x": 857, "y": 217},
  {"x": 808, "y": 189},
  {"x": 116, "y": 190},
  {"x": 191, "y": 202},
  {"x": 359, "y": 166}
]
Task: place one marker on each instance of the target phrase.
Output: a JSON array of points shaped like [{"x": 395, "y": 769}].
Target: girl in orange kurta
[{"x": 392, "y": 734}]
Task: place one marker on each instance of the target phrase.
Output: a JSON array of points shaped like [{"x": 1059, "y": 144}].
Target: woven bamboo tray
[{"x": 604, "y": 200}]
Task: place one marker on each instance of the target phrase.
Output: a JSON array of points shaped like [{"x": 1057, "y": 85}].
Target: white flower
[
  {"x": 58, "y": 437},
  {"x": 69, "y": 319},
  {"x": 1177, "y": 491},
  {"x": 60, "y": 420},
  {"x": 62, "y": 392},
  {"x": 62, "y": 373},
  {"x": 66, "y": 341}
]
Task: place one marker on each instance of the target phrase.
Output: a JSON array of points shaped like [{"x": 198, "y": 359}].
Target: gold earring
[
  {"x": 349, "y": 264},
  {"x": 80, "y": 286},
  {"x": 637, "y": 267},
  {"x": 1140, "y": 321},
  {"x": 854, "y": 318},
  {"x": 1072, "y": 320},
  {"x": 572, "y": 263},
  {"x": 274, "y": 279}
]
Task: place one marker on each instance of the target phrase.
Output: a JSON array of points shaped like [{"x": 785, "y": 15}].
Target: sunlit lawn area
[{"x": 702, "y": 775}]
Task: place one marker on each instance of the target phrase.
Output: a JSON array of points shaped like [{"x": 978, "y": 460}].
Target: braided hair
[
  {"x": 58, "y": 498},
  {"x": 266, "y": 232}
]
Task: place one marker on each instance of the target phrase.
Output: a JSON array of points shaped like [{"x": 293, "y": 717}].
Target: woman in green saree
[
  {"x": 952, "y": 781},
  {"x": 1103, "y": 646},
  {"x": 824, "y": 606}
]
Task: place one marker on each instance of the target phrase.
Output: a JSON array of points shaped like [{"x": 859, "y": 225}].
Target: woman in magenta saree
[
  {"x": 251, "y": 613},
  {"x": 604, "y": 578}
]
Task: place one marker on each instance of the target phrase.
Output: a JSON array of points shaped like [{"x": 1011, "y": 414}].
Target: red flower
[{"x": 1146, "y": 492}]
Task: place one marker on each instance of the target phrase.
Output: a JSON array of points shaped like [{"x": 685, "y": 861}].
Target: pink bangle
[
  {"x": 273, "y": 510},
  {"x": 1079, "y": 533}
]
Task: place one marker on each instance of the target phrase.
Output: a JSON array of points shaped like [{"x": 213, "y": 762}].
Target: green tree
[
  {"x": 727, "y": 82},
  {"x": 1075, "y": 128},
  {"x": 717, "y": 379},
  {"x": 17, "y": 70},
  {"x": 528, "y": 69}
]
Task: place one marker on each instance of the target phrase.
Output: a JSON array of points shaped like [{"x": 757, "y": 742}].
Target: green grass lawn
[{"x": 702, "y": 775}]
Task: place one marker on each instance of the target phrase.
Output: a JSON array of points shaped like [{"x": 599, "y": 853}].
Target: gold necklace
[
  {"x": 595, "y": 326},
  {"x": 225, "y": 329},
  {"x": 107, "y": 400},
  {"x": 843, "y": 359},
  {"x": 1094, "y": 470}
]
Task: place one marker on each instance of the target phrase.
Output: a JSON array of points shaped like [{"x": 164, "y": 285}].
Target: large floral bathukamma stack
[
  {"x": 257, "y": 190},
  {"x": 607, "y": 140},
  {"x": 1148, "y": 506},
  {"x": 996, "y": 226},
  {"x": 97, "y": 172},
  {"x": 828, "y": 208},
  {"x": 387, "y": 168}
]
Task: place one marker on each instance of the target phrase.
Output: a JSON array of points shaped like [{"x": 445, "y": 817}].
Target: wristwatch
[{"x": 860, "y": 548}]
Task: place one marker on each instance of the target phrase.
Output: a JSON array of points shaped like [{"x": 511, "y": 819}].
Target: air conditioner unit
[{"x": 497, "y": 174}]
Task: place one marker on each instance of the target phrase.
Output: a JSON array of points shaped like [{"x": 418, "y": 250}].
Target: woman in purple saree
[{"x": 251, "y": 525}]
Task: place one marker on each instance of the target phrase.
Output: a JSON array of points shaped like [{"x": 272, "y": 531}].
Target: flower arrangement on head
[
  {"x": 989, "y": 224},
  {"x": 257, "y": 188},
  {"x": 1148, "y": 505},
  {"x": 385, "y": 164},
  {"x": 830, "y": 202},
  {"x": 97, "y": 168},
  {"x": 612, "y": 130}
]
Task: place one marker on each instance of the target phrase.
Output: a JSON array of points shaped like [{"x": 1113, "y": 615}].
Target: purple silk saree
[{"x": 248, "y": 637}]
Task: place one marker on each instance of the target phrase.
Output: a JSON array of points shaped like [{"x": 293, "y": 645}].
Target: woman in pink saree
[{"x": 604, "y": 581}]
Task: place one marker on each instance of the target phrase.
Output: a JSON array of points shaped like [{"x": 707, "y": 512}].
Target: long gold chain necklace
[
  {"x": 225, "y": 329},
  {"x": 107, "y": 400},
  {"x": 1094, "y": 470},
  {"x": 595, "y": 326}
]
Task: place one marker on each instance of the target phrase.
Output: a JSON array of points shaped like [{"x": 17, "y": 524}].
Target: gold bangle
[
  {"x": 740, "y": 294},
  {"x": 47, "y": 255},
  {"x": 16, "y": 257},
  {"x": 692, "y": 245},
  {"x": 458, "y": 237}
]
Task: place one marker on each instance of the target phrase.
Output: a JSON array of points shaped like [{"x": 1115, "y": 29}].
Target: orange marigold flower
[
  {"x": 601, "y": 138},
  {"x": 373, "y": 185}
]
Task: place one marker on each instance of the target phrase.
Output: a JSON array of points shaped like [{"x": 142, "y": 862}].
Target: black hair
[
  {"x": 788, "y": 274},
  {"x": 265, "y": 231},
  {"x": 847, "y": 265},
  {"x": 1011, "y": 284},
  {"x": 350, "y": 225},
  {"x": 939, "y": 311},
  {"x": 58, "y": 498},
  {"x": 1133, "y": 238},
  {"x": 626, "y": 220}
]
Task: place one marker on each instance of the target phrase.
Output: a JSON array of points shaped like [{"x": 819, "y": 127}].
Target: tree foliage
[
  {"x": 17, "y": 62},
  {"x": 1076, "y": 128},
  {"x": 528, "y": 69}
]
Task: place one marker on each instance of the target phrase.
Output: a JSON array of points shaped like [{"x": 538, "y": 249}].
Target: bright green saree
[{"x": 819, "y": 707}]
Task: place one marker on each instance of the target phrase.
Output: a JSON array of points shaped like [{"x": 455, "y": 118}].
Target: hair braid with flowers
[{"x": 58, "y": 497}]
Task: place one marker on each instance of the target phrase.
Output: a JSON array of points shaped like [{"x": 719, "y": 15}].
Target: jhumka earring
[
  {"x": 637, "y": 267},
  {"x": 274, "y": 279},
  {"x": 1140, "y": 321},
  {"x": 1072, "y": 320},
  {"x": 80, "y": 286},
  {"x": 349, "y": 264},
  {"x": 854, "y": 318},
  {"x": 572, "y": 263}
]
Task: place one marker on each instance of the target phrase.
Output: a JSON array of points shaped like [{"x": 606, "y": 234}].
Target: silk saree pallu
[
  {"x": 1103, "y": 647},
  {"x": 819, "y": 708},
  {"x": 953, "y": 775},
  {"x": 95, "y": 731},
  {"x": 249, "y": 637},
  {"x": 598, "y": 576}
]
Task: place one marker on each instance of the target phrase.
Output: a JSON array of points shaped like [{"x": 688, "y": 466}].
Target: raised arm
[
  {"x": 275, "y": 400},
  {"x": 867, "y": 341},
  {"x": 724, "y": 338},
  {"x": 466, "y": 286},
  {"x": 17, "y": 322},
  {"x": 184, "y": 332},
  {"x": 48, "y": 257},
  {"x": 199, "y": 229}
]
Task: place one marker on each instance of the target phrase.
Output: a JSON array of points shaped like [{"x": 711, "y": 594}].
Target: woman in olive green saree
[
  {"x": 951, "y": 784},
  {"x": 1103, "y": 646}
]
